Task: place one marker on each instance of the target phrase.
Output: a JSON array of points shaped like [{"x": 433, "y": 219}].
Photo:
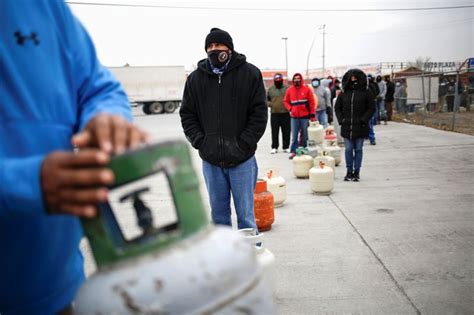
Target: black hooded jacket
[
  {"x": 224, "y": 116},
  {"x": 355, "y": 106}
]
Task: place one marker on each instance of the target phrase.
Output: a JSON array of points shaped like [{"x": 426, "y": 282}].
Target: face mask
[
  {"x": 315, "y": 84},
  {"x": 397, "y": 84},
  {"x": 297, "y": 83},
  {"x": 218, "y": 58},
  {"x": 278, "y": 84},
  {"x": 354, "y": 83}
]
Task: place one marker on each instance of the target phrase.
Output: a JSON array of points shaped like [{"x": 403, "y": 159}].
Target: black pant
[{"x": 284, "y": 121}]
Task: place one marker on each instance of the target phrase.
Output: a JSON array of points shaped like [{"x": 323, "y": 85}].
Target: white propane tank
[
  {"x": 264, "y": 256},
  {"x": 330, "y": 137},
  {"x": 335, "y": 151},
  {"x": 302, "y": 163},
  {"x": 326, "y": 159},
  {"x": 276, "y": 184},
  {"x": 321, "y": 179},
  {"x": 203, "y": 275},
  {"x": 315, "y": 133},
  {"x": 313, "y": 150}
]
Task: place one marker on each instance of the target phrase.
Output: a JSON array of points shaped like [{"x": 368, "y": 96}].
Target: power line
[{"x": 266, "y": 9}]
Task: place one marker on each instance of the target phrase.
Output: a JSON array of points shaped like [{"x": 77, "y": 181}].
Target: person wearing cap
[
  {"x": 280, "y": 117},
  {"x": 299, "y": 101},
  {"x": 224, "y": 115}
]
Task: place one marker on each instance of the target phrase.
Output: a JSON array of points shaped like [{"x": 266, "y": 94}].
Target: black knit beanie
[{"x": 217, "y": 35}]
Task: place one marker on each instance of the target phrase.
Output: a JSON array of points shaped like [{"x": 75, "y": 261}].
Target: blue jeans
[
  {"x": 322, "y": 117},
  {"x": 353, "y": 151},
  {"x": 240, "y": 181},
  {"x": 382, "y": 113},
  {"x": 372, "y": 122},
  {"x": 299, "y": 125}
]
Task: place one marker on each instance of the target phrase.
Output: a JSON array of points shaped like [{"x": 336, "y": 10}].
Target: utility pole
[
  {"x": 286, "y": 55},
  {"x": 324, "y": 48}
]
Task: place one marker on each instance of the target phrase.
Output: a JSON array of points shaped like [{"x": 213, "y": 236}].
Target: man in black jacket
[
  {"x": 389, "y": 97},
  {"x": 355, "y": 107},
  {"x": 224, "y": 115}
]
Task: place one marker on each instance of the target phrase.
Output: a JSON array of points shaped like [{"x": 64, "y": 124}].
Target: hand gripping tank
[{"x": 189, "y": 267}]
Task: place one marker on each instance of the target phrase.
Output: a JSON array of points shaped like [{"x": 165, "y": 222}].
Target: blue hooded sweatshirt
[{"x": 51, "y": 85}]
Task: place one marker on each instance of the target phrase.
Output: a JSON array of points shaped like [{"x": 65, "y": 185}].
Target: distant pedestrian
[
  {"x": 400, "y": 96},
  {"x": 323, "y": 94},
  {"x": 381, "y": 111},
  {"x": 299, "y": 101},
  {"x": 442, "y": 91},
  {"x": 389, "y": 97},
  {"x": 450, "y": 95},
  {"x": 354, "y": 109},
  {"x": 224, "y": 115},
  {"x": 280, "y": 117},
  {"x": 374, "y": 88}
]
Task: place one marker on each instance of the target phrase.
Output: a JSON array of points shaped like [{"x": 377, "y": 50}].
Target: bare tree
[{"x": 422, "y": 63}]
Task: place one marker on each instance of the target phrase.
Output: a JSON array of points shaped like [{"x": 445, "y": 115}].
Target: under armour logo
[{"x": 21, "y": 39}]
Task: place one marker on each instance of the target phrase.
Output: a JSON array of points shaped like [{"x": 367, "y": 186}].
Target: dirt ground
[{"x": 464, "y": 122}]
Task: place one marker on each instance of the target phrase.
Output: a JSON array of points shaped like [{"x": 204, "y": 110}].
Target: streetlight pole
[
  {"x": 286, "y": 55},
  {"x": 324, "y": 48},
  {"x": 323, "y": 27}
]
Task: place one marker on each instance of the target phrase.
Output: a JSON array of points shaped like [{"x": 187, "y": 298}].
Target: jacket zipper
[
  {"x": 221, "y": 146},
  {"x": 352, "y": 112}
]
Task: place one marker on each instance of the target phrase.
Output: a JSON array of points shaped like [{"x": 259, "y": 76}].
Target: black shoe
[
  {"x": 348, "y": 176},
  {"x": 355, "y": 176},
  {"x": 373, "y": 142}
]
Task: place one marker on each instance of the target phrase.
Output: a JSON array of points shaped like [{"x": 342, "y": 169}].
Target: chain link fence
[{"x": 439, "y": 100}]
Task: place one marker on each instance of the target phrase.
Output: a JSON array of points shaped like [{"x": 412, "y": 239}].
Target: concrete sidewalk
[{"x": 401, "y": 241}]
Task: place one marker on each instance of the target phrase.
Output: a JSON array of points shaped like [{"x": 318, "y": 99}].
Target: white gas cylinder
[
  {"x": 276, "y": 184},
  {"x": 313, "y": 150},
  {"x": 335, "y": 151},
  {"x": 326, "y": 159},
  {"x": 321, "y": 179},
  {"x": 264, "y": 256},
  {"x": 315, "y": 133},
  {"x": 301, "y": 165},
  {"x": 212, "y": 272}
]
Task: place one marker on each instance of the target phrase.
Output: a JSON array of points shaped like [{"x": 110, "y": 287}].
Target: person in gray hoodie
[
  {"x": 382, "y": 113},
  {"x": 323, "y": 93}
]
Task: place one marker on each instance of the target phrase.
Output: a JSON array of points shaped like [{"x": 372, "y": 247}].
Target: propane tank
[
  {"x": 315, "y": 133},
  {"x": 263, "y": 206},
  {"x": 302, "y": 163},
  {"x": 313, "y": 150},
  {"x": 187, "y": 267},
  {"x": 326, "y": 159},
  {"x": 335, "y": 151},
  {"x": 276, "y": 184},
  {"x": 321, "y": 179},
  {"x": 255, "y": 239},
  {"x": 330, "y": 137}
]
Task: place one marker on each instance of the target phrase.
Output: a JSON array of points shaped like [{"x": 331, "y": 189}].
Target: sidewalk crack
[{"x": 398, "y": 285}]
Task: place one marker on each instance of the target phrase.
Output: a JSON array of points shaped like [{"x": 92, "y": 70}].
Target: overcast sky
[{"x": 175, "y": 36}]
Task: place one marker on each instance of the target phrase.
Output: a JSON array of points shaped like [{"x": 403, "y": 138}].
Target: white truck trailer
[{"x": 158, "y": 89}]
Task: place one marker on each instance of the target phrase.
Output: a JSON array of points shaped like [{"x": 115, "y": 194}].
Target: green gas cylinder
[{"x": 188, "y": 267}]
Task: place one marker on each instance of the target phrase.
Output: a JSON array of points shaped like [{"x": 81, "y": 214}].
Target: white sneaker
[
  {"x": 287, "y": 151},
  {"x": 273, "y": 151}
]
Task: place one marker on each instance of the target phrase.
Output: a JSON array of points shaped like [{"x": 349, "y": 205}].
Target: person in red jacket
[{"x": 299, "y": 101}]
